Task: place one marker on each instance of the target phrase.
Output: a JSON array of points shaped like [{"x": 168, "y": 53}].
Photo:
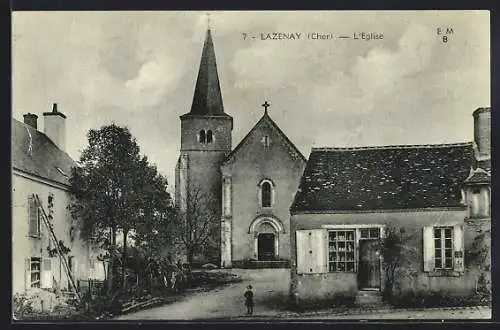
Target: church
[{"x": 247, "y": 190}]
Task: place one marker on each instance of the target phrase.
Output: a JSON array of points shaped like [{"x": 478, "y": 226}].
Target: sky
[{"x": 138, "y": 69}]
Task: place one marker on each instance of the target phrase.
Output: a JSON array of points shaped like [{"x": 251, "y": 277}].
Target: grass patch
[{"x": 212, "y": 278}]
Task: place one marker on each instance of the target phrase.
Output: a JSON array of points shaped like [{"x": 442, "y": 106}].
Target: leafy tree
[
  {"x": 195, "y": 223},
  {"x": 479, "y": 256},
  {"x": 155, "y": 237},
  {"x": 397, "y": 255},
  {"x": 115, "y": 191}
]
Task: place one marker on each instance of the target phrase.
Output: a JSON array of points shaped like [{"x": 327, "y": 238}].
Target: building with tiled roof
[
  {"x": 349, "y": 198},
  {"x": 41, "y": 166},
  {"x": 34, "y": 153},
  {"x": 381, "y": 178},
  {"x": 478, "y": 176}
]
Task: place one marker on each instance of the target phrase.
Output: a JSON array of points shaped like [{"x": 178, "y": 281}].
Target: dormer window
[{"x": 205, "y": 136}]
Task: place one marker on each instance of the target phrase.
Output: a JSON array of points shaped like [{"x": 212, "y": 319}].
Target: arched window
[
  {"x": 209, "y": 136},
  {"x": 201, "y": 136},
  {"x": 266, "y": 193}
]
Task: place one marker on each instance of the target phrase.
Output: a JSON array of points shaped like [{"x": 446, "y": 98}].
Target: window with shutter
[
  {"x": 47, "y": 273},
  {"x": 27, "y": 273},
  {"x": 458, "y": 247},
  {"x": 33, "y": 218},
  {"x": 428, "y": 248},
  {"x": 35, "y": 272},
  {"x": 311, "y": 249},
  {"x": 341, "y": 249},
  {"x": 443, "y": 247}
]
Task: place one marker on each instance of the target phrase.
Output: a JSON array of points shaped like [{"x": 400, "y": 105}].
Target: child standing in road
[{"x": 249, "y": 299}]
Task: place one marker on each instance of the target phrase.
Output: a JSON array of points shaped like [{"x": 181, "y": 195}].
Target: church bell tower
[{"x": 205, "y": 143}]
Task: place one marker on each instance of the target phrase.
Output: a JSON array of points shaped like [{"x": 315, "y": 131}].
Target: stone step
[
  {"x": 257, "y": 264},
  {"x": 369, "y": 298}
]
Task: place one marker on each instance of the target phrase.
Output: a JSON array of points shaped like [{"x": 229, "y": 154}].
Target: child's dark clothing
[{"x": 249, "y": 301}]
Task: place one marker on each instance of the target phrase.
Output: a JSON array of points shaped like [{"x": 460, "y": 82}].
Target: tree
[
  {"x": 479, "y": 256},
  {"x": 155, "y": 237},
  {"x": 115, "y": 191},
  {"x": 195, "y": 223},
  {"x": 397, "y": 255},
  {"x": 153, "y": 232}
]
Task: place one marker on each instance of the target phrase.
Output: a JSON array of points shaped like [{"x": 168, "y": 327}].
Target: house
[
  {"x": 248, "y": 189},
  {"x": 348, "y": 198},
  {"x": 41, "y": 167}
]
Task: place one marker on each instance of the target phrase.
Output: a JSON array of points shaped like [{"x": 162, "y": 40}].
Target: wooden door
[
  {"x": 369, "y": 265},
  {"x": 266, "y": 246}
]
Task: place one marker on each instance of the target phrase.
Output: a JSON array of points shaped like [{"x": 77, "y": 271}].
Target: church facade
[
  {"x": 247, "y": 190},
  {"x": 260, "y": 177}
]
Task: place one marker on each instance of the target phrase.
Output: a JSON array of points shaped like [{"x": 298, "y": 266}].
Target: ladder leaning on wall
[{"x": 52, "y": 235}]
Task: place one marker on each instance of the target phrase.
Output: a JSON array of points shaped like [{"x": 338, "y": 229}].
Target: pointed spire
[{"x": 207, "y": 99}]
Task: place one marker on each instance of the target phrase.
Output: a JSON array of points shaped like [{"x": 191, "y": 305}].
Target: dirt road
[{"x": 227, "y": 301}]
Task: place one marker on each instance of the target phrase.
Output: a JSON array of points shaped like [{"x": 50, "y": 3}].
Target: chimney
[
  {"x": 482, "y": 133},
  {"x": 31, "y": 119},
  {"x": 55, "y": 127}
]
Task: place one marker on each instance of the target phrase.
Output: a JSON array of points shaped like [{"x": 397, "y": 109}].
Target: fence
[{"x": 95, "y": 287}]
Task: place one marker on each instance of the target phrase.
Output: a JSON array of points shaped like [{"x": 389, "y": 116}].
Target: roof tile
[
  {"x": 45, "y": 159},
  {"x": 393, "y": 177}
]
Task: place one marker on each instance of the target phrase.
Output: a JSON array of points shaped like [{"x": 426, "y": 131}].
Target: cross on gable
[{"x": 266, "y": 105}]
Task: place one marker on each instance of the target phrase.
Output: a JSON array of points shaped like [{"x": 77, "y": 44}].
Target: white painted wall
[{"x": 24, "y": 246}]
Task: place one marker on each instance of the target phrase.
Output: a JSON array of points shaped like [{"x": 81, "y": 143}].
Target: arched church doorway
[
  {"x": 265, "y": 247},
  {"x": 267, "y": 241},
  {"x": 265, "y": 231}
]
